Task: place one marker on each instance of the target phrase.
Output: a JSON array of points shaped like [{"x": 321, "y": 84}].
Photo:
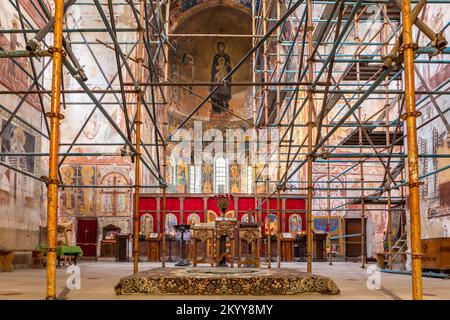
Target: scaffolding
[{"x": 316, "y": 66}]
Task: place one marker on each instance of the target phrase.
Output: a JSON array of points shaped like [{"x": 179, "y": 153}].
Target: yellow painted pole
[
  {"x": 413, "y": 170},
  {"x": 52, "y": 182},
  {"x": 166, "y": 134},
  {"x": 278, "y": 99},
  {"x": 137, "y": 170},
  {"x": 384, "y": 38},
  {"x": 310, "y": 141}
]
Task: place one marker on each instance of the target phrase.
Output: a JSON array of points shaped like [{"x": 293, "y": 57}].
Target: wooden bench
[{"x": 7, "y": 257}]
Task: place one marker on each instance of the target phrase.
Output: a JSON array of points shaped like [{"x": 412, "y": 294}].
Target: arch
[
  {"x": 179, "y": 16},
  {"x": 295, "y": 224},
  {"x": 193, "y": 218},
  {"x": 146, "y": 226},
  {"x": 170, "y": 222},
  {"x": 211, "y": 216},
  {"x": 230, "y": 214},
  {"x": 271, "y": 224}
]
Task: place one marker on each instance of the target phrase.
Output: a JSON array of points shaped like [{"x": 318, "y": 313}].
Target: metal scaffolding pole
[
  {"x": 309, "y": 226},
  {"x": 52, "y": 181},
  {"x": 138, "y": 123},
  {"x": 166, "y": 137},
  {"x": 413, "y": 166}
]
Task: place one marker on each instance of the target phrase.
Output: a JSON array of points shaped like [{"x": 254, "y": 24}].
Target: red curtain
[
  {"x": 193, "y": 204},
  {"x": 296, "y": 204},
  {"x": 87, "y": 237},
  {"x": 147, "y": 204},
  {"x": 212, "y": 205}
]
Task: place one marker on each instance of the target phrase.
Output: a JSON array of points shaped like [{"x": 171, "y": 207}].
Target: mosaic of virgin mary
[{"x": 221, "y": 66}]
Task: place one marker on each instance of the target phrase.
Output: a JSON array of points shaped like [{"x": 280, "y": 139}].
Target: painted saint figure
[
  {"x": 146, "y": 225},
  {"x": 295, "y": 224},
  {"x": 221, "y": 66}
]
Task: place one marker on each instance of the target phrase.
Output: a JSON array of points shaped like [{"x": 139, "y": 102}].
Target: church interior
[{"x": 292, "y": 149}]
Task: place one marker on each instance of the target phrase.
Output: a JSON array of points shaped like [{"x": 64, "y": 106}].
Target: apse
[{"x": 199, "y": 59}]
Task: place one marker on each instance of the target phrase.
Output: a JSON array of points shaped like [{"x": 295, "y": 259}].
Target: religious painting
[
  {"x": 235, "y": 178},
  {"x": 325, "y": 225},
  {"x": 207, "y": 178},
  {"x": 182, "y": 173},
  {"x": 247, "y": 218},
  {"x": 193, "y": 218},
  {"x": 146, "y": 225},
  {"x": 87, "y": 200},
  {"x": 114, "y": 197},
  {"x": 271, "y": 225},
  {"x": 68, "y": 196},
  {"x": 221, "y": 66},
  {"x": 78, "y": 201},
  {"x": 436, "y": 17},
  {"x": 230, "y": 214},
  {"x": 337, "y": 192},
  {"x": 171, "y": 185},
  {"x": 170, "y": 222},
  {"x": 295, "y": 224},
  {"x": 14, "y": 71},
  {"x": 211, "y": 216},
  {"x": 16, "y": 140},
  {"x": 199, "y": 59}
]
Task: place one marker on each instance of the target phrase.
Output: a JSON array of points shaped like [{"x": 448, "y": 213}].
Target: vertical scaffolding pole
[
  {"x": 137, "y": 170},
  {"x": 310, "y": 141},
  {"x": 330, "y": 257},
  {"x": 388, "y": 142},
  {"x": 265, "y": 12},
  {"x": 166, "y": 134},
  {"x": 52, "y": 182},
  {"x": 278, "y": 99},
  {"x": 413, "y": 168},
  {"x": 361, "y": 164}
]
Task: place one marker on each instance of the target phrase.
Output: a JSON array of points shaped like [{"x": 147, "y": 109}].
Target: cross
[{"x": 114, "y": 193}]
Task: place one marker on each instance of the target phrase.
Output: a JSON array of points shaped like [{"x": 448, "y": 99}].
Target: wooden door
[
  {"x": 353, "y": 244},
  {"x": 87, "y": 237}
]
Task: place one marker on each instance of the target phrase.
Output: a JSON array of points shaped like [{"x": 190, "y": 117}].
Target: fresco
[
  {"x": 295, "y": 224},
  {"x": 235, "y": 178},
  {"x": 247, "y": 218},
  {"x": 170, "y": 222},
  {"x": 17, "y": 140},
  {"x": 271, "y": 225},
  {"x": 193, "y": 218},
  {"x": 209, "y": 60},
  {"x": 113, "y": 201},
  {"x": 207, "y": 178},
  {"x": 146, "y": 225},
  {"x": 336, "y": 194}
]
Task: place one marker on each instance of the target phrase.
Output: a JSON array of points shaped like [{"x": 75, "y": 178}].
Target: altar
[{"x": 222, "y": 236}]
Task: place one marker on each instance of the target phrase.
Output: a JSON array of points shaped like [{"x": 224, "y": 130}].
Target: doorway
[
  {"x": 353, "y": 243},
  {"x": 87, "y": 237}
]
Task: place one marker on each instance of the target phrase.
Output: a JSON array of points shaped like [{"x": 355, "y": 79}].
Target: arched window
[
  {"x": 249, "y": 179},
  {"x": 195, "y": 179},
  {"x": 221, "y": 175}
]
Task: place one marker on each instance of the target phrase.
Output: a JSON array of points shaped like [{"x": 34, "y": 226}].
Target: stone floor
[{"x": 99, "y": 278}]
